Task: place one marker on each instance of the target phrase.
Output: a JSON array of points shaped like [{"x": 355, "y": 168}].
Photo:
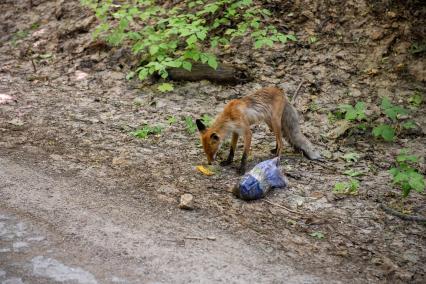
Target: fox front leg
[{"x": 230, "y": 158}]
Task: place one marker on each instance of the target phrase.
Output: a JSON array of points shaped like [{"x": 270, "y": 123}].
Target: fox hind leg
[
  {"x": 276, "y": 128},
  {"x": 247, "y": 143}
]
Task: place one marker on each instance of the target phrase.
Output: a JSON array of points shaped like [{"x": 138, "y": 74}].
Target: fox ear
[
  {"x": 214, "y": 137},
  {"x": 200, "y": 125}
]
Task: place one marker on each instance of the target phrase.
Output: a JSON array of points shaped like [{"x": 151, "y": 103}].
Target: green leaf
[
  {"x": 385, "y": 131},
  {"x": 351, "y": 157},
  {"x": 187, "y": 65},
  {"x": 146, "y": 131},
  {"x": 190, "y": 125},
  {"x": 212, "y": 62},
  {"x": 153, "y": 49},
  {"x": 130, "y": 75},
  {"x": 165, "y": 87},
  {"x": 339, "y": 187},
  {"x": 317, "y": 234},
  {"x": 388, "y": 133},
  {"x": 173, "y": 63},
  {"x": 214, "y": 43},
  {"x": 352, "y": 173},
  {"x": 143, "y": 74},
  {"x": 416, "y": 100},
  {"x": 416, "y": 181},
  {"x": 409, "y": 124},
  {"x": 207, "y": 120},
  {"x": 191, "y": 40},
  {"x": 292, "y": 37},
  {"x": 258, "y": 44},
  {"x": 171, "y": 120},
  {"x": 386, "y": 103},
  {"x": 201, "y": 35}
]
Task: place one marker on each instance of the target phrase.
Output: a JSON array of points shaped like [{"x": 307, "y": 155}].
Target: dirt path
[{"x": 69, "y": 229}]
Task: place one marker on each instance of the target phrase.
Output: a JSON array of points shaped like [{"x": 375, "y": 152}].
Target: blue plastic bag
[{"x": 262, "y": 178}]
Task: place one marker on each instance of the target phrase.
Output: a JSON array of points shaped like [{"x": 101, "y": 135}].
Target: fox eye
[{"x": 214, "y": 137}]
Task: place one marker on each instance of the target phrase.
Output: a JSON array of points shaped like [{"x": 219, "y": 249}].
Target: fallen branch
[
  {"x": 210, "y": 238},
  {"x": 224, "y": 74},
  {"x": 402, "y": 216},
  {"x": 293, "y": 99},
  {"x": 283, "y": 207}
]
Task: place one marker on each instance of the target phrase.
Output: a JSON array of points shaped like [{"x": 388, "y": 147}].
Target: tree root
[{"x": 402, "y": 216}]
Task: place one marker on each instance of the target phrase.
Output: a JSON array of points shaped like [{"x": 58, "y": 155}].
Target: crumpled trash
[{"x": 260, "y": 180}]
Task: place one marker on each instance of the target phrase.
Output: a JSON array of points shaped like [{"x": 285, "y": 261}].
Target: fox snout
[{"x": 211, "y": 158}]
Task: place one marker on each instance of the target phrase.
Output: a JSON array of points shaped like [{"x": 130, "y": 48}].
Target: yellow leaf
[{"x": 204, "y": 170}]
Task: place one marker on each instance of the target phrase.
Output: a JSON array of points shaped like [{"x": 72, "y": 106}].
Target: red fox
[{"x": 269, "y": 105}]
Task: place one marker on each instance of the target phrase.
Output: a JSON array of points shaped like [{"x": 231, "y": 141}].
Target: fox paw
[
  {"x": 241, "y": 170},
  {"x": 225, "y": 163}
]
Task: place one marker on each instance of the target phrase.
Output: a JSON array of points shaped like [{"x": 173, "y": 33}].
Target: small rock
[
  {"x": 410, "y": 256},
  {"x": 355, "y": 92},
  {"x": 80, "y": 75},
  {"x": 391, "y": 14},
  {"x": 417, "y": 70},
  {"x": 382, "y": 92},
  {"x": 19, "y": 245},
  {"x": 186, "y": 202},
  {"x": 376, "y": 34},
  {"x": 5, "y": 99},
  {"x": 16, "y": 122}
]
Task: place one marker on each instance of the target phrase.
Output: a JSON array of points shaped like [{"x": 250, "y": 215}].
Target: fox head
[{"x": 210, "y": 140}]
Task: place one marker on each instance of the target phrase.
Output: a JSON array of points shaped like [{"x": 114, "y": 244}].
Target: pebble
[{"x": 186, "y": 201}]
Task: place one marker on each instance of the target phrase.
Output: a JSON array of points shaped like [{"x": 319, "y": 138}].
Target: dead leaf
[
  {"x": 341, "y": 127},
  {"x": 204, "y": 170}
]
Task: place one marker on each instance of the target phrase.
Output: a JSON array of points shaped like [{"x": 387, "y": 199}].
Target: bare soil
[{"x": 73, "y": 112}]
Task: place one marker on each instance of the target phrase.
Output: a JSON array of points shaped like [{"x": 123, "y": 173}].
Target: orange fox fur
[{"x": 269, "y": 105}]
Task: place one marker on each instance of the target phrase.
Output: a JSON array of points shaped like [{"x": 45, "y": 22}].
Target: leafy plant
[
  {"x": 416, "y": 100},
  {"x": 171, "y": 120},
  {"x": 393, "y": 112},
  {"x": 405, "y": 175},
  {"x": 21, "y": 34},
  {"x": 313, "y": 106},
  {"x": 409, "y": 124},
  {"x": 350, "y": 187},
  {"x": 351, "y": 157},
  {"x": 313, "y": 39},
  {"x": 352, "y": 173},
  {"x": 191, "y": 127},
  {"x": 165, "y": 87},
  {"x": 207, "y": 120},
  {"x": 318, "y": 235},
  {"x": 354, "y": 113},
  {"x": 176, "y": 35},
  {"x": 385, "y": 131},
  {"x": 147, "y": 130},
  {"x": 418, "y": 47}
]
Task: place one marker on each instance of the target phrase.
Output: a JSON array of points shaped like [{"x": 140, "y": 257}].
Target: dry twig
[{"x": 283, "y": 207}]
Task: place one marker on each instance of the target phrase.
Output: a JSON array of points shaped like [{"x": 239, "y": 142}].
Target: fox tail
[{"x": 291, "y": 131}]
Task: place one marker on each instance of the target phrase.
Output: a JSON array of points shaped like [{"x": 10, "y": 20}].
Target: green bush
[{"x": 187, "y": 32}]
